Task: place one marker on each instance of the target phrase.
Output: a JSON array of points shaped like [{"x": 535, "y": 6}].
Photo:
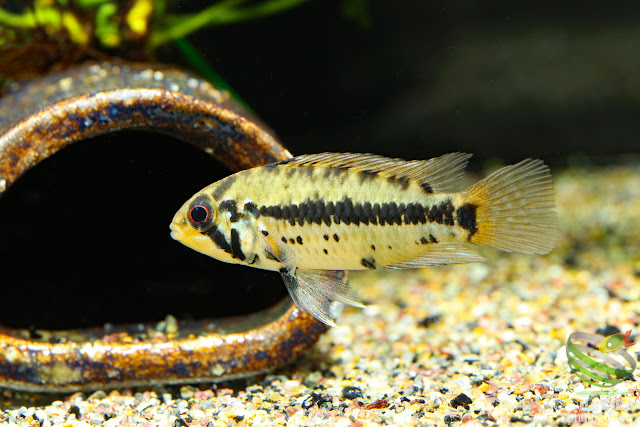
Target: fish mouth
[
  {"x": 176, "y": 231},
  {"x": 177, "y": 226}
]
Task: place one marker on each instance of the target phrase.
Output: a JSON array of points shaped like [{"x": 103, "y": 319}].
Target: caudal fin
[{"x": 514, "y": 209}]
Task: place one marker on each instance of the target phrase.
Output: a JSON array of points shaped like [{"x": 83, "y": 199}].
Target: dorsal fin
[{"x": 440, "y": 174}]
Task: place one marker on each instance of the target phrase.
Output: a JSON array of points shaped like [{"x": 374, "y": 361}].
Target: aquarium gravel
[{"x": 478, "y": 344}]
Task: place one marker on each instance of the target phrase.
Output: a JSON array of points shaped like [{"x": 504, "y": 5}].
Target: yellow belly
[{"x": 356, "y": 247}]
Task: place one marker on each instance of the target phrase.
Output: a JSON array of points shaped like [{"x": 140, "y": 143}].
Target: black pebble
[
  {"x": 448, "y": 419},
  {"x": 461, "y": 400},
  {"x": 33, "y": 333},
  {"x": 74, "y": 409},
  {"x": 315, "y": 398},
  {"x": 430, "y": 320},
  {"x": 179, "y": 422},
  {"x": 608, "y": 330},
  {"x": 351, "y": 392}
]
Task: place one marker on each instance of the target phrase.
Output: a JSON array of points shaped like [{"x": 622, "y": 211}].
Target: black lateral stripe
[
  {"x": 230, "y": 206},
  {"x": 319, "y": 214},
  {"x": 302, "y": 213},
  {"x": 375, "y": 213},
  {"x": 442, "y": 213},
  {"x": 218, "y": 238},
  {"x": 236, "y": 248},
  {"x": 347, "y": 212},
  {"x": 293, "y": 214},
  {"x": 252, "y": 209},
  {"x": 222, "y": 188}
]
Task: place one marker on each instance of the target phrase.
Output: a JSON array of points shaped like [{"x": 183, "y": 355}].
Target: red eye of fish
[{"x": 199, "y": 214}]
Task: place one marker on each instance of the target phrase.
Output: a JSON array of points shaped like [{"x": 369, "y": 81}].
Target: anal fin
[
  {"x": 314, "y": 291},
  {"x": 439, "y": 254}
]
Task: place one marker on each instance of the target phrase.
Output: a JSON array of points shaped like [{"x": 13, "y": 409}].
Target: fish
[{"x": 314, "y": 216}]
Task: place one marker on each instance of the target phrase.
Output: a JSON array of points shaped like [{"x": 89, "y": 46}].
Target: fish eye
[{"x": 201, "y": 214}]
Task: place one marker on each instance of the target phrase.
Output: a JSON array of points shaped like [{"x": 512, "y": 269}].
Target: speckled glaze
[{"x": 42, "y": 116}]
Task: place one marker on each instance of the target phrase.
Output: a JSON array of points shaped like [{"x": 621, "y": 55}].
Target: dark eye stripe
[{"x": 220, "y": 241}]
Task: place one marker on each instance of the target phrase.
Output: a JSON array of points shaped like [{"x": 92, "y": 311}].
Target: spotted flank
[{"x": 313, "y": 216}]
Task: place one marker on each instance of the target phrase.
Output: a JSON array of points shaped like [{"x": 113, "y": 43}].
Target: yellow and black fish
[{"x": 311, "y": 216}]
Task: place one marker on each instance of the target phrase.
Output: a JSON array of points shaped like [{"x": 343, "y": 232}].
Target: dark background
[
  {"x": 84, "y": 237},
  {"x": 495, "y": 78}
]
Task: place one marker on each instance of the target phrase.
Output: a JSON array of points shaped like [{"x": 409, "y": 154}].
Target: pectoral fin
[
  {"x": 279, "y": 252},
  {"x": 314, "y": 291}
]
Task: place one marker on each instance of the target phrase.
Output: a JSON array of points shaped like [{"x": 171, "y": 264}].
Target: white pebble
[{"x": 502, "y": 397}]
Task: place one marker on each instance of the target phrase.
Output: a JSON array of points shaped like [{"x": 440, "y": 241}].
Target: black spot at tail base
[{"x": 466, "y": 217}]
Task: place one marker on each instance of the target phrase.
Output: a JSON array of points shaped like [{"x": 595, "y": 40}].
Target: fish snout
[
  {"x": 177, "y": 226},
  {"x": 176, "y": 231}
]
